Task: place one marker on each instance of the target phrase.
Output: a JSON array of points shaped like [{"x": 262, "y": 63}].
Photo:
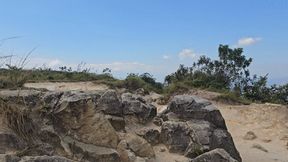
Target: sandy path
[{"x": 66, "y": 86}]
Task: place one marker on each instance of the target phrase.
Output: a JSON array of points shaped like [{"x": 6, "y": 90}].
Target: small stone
[
  {"x": 259, "y": 147},
  {"x": 158, "y": 121},
  {"x": 250, "y": 136},
  {"x": 285, "y": 137},
  {"x": 266, "y": 140},
  {"x": 162, "y": 149}
]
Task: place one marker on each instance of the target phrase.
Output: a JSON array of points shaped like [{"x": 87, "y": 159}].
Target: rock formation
[{"x": 107, "y": 126}]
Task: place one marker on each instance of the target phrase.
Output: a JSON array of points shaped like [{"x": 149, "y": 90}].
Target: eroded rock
[
  {"x": 190, "y": 107},
  {"x": 217, "y": 155},
  {"x": 136, "y": 105}
]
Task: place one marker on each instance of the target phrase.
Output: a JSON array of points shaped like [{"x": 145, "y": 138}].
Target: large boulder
[
  {"x": 75, "y": 115},
  {"x": 139, "y": 146},
  {"x": 208, "y": 137},
  {"x": 110, "y": 104},
  {"x": 136, "y": 105},
  {"x": 44, "y": 158},
  {"x": 151, "y": 135},
  {"x": 27, "y": 98},
  {"x": 223, "y": 139},
  {"x": 91, "y": 152},
  {"x": 9, "y": 158},
  {"x": 117, "y": 122},
  {"x": 176, "y": 136},
  {"x": 217, "y": 155},
  {"x": 191, "y": 107}
]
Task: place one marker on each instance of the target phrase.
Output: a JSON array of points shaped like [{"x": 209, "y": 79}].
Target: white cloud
[
  {"x": 166, "y": 57},
  {"x": 123, "y": 66},
  {"x": 53, "y": 63},
  {"x": 246, "y": 41},
  {"x": 187, "y": 53}
]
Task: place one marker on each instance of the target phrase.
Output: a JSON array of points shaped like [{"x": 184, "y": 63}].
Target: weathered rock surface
[
  {"x": 101, "y": 126},
  {"x": 190, "y": 107},
  {"x": 117, "y": 122},
  {"x": 217, "y": 155},
  {"x": 110, "y": 104},
  {"x": 136, "y": 105},
  {"x": 139, "y": 146},
  {"x": 9, "y": 158},
  {"x": 150, "y": 135},
  {"x": 28, "y": 98},
  {"x": 44, "y": 159},
  {"x": 75, "y": 114},
  {"x": 194, "y": 126},
  {"x": 91, "y": 152},
  {"x": 9, "y": 141}
]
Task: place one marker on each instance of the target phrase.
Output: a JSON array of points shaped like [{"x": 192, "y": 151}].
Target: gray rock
[
  {"x": 125, "y": 153},
  {"x": 217, "y": 155},
  {"x": 259, "y": 147},
  {"x": 139, "y": 146},
  {"x": 10, "y": 142},
  {"x": 250, "y": 136},
  {"x": 28, "y": 98},
  {"x": 136, "y": 105},
  {"x": 9, "y": 158},
  {"x": 118, "y": 123},
  {"x": 223, "y": 139},
  {"x": 193, "y": 150},
  {"x": 203, "y": 130},
  {"x": 44, "y": 159},
  {"x": 176, "y": 136},
  {"x": 110, "y": 104},
  {"x": 150, "y": 135},
  {"x": 190, "y": 107},
  {"x": 75, "y": 115},
  {"x": 158, "y": 121},
  {"x": 91, "y": 152}
]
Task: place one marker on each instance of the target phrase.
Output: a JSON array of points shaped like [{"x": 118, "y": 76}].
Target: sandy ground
[
  {"x": 66, "y": 86},
  {"x": 269, "y": 122}
]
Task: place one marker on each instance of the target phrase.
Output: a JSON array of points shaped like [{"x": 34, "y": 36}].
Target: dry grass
[{"x": 19, "y": 121}]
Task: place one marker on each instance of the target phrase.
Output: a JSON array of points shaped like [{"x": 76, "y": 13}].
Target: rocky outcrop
[
  {"x": 110, "y": 104},
  {"x": 191, "y": 107},
  {"x": 194, "y": 126},
  {"x": 176, "y": 136},
  {"x": 27, "y": 98},
  {"x": 45, "y": 158},
  {"x": 136, "y": 105},
  {"x": 9, "y": 141},
  {"x": 101, "y": 126},
  {"x": 217, "y": 155},
  {"x": 91, "y": 152},
  {"x": 150, "y": 135}
]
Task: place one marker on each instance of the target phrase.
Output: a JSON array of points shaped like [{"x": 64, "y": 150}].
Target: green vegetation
[{"x": 229, "y": 75}]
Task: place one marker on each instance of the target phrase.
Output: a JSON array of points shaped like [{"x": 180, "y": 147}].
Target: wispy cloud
[
  {"x": 187, "y": 53},
  {"x": 53, "y": 63},
  {"x": 123, "y": 66},
  {"x": 166, "y": 57},
  {"x": 247, "y": 41}
]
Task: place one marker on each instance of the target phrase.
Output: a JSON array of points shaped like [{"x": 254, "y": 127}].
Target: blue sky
[{"x": 147, "y": 35}]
